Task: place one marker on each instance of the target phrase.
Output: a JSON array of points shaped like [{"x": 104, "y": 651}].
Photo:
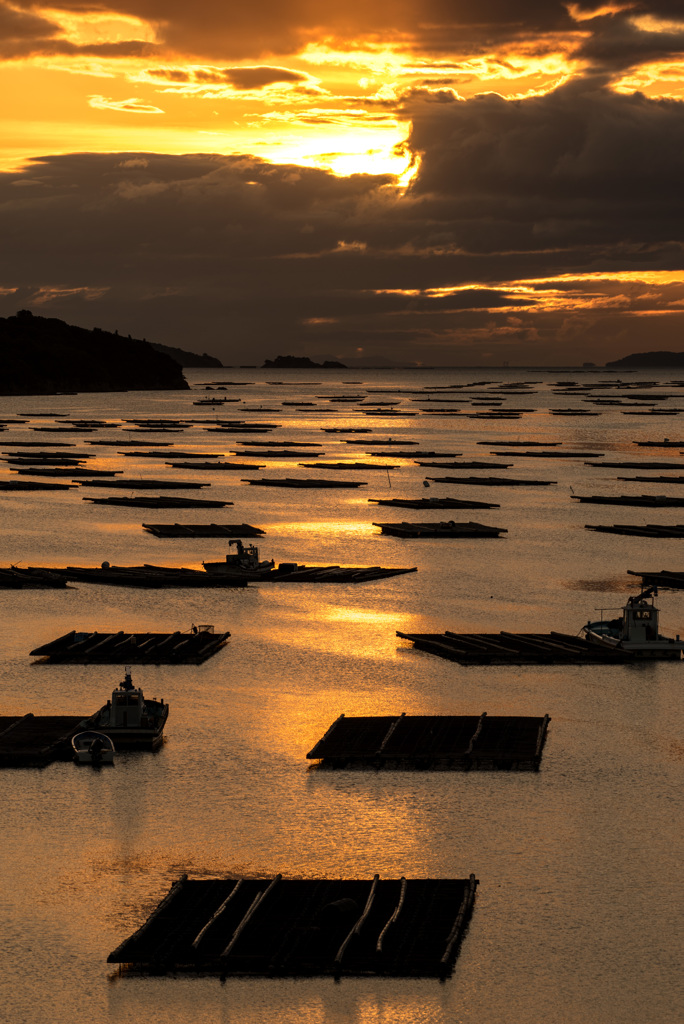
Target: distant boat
[{"x": 91, "y": 747}]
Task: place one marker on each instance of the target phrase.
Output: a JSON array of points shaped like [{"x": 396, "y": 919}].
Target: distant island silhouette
[
  {"x": 43, "y": 355},
  {"x": 648, "y": 361},
  {"x": 185, "y": 358},
  {"x": 300, "y": 363}
]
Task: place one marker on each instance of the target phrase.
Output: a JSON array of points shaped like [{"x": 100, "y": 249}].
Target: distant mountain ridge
[
  {"x": 185, "y": 358},
  {"x": 300, "y": 363},
  {"x": 42, "y": 355},
  {"x": 648, "y": 361}
]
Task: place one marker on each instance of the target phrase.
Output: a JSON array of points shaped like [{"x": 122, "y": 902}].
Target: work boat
[
  {"x": 244, "y": 561},
  {"x": 130, "y": 719},
  {"x": 636, "y": 631}
]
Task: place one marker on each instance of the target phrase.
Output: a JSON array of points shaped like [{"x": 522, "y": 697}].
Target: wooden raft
[
  {"x": 304, "y": 927},
  {"x": 161, "y": 501},
  {"x": 33, "y": 741},
  {"x": 516, "y": 648},
  {"x": 133, "y": 648},
  {"x": 432, "y": 503},
  {"x": 203, "y": 530},
  {"x": 649, "y": 530},
  {"x": 303, "y": 482},
  {"x": 640, "y": 500},
  {"x": 448, "y": 529},
  {"x": 664, "y": 578},
  {"x": 433, "y": 741}
]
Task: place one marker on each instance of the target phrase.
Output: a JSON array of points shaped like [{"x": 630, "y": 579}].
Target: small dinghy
[{"x": 91, "y": 747}]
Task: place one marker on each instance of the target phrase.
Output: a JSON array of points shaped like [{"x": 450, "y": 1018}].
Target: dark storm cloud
[
  {"x": 618, "y": 43},
  {"x": 579, "y": 165},
  {"x": 241, "y": 253}
]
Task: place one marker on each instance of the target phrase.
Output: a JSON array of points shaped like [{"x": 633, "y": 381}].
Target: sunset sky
[{"x": 439, "y": 182}]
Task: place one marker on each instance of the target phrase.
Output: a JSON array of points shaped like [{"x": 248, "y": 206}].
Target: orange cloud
[{"x": 131, "y": 106}]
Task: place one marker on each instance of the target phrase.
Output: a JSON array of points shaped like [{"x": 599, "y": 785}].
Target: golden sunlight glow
[
  {"x": 577, "y": 14},
  {"x": 523, "y": 62},
  {"x": 133, "y": 106},
  {"x": 658, "y": 80},
  {"x": 334, "y": 613},
  {"x": 88, "y": 28},
  {"x": 324, "y": 527},
  {"x": 650, "y": 23},
  {"x": 654, "y": 277},
  {"x": 601, "y": 290},
  {"x": 374, "y": 58},
  {"x": 335, "y": 107}
]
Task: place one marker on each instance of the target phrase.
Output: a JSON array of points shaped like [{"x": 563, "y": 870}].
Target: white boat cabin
[{"x": 637, "y": 630}]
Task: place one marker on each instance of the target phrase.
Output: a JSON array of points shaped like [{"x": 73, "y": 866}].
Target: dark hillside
[
  {"x": 648, "y": 361},
  {"x": 185, "y": 358},
  {"x": 40, "y": 355}
]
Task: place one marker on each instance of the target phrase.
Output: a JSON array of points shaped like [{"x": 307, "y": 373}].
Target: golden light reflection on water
[
  {"x": 331, "y": 528},
  {"x": 364, "y": 615},
  {"x": 364, "y": 643}
]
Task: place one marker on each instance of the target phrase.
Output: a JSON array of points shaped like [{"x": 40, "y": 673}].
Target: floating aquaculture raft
[
  {"x": 429, "y": 741},
  {"x": 650, "y": 530},
  {"x": 220, "y": 574},
  {"x": 515, "y": 648},
  {"x": 449, "y": 529},
  {"x": 399, "y": 927},
  {"x": 664, "y": 578},
  {"x": 34, "y": 579},
  {"x": 489, "y": 481},
  {"x": 155, "y": 576},
  {"x": 31, "y": 741},
  {"x": 432, "y": 503},
  {"x": 159, "y": 502},
  {"x": 301, "y": 482},
  {"x": 140, "y": 484},
  {"x": 203, "y": 530},
  {"x": 643, "y": 500},
  {"x": 133, "y": 648},
  {"x": 32, "y": 485},
  {"x": 291, "y": 572}
]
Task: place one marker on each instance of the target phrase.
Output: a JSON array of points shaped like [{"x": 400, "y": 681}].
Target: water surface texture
[{"x": 580, "y": 902}]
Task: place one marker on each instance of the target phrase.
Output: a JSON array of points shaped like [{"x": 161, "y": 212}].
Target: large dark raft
[
  {"x": 161, "y": 576},
  {"x": 516, "y": 648},
  {"x": 461, "y": 742},
  {"x": 33, "y": 741},
  {"x": 121, "y": 648},
  {"x": 251, "y": 926}
]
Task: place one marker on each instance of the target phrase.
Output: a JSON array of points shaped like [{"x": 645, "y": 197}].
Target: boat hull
[{"x": 148, "y": 736}]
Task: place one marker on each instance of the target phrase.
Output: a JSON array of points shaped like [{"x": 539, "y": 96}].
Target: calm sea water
[{"x": 580, "y": 899}]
